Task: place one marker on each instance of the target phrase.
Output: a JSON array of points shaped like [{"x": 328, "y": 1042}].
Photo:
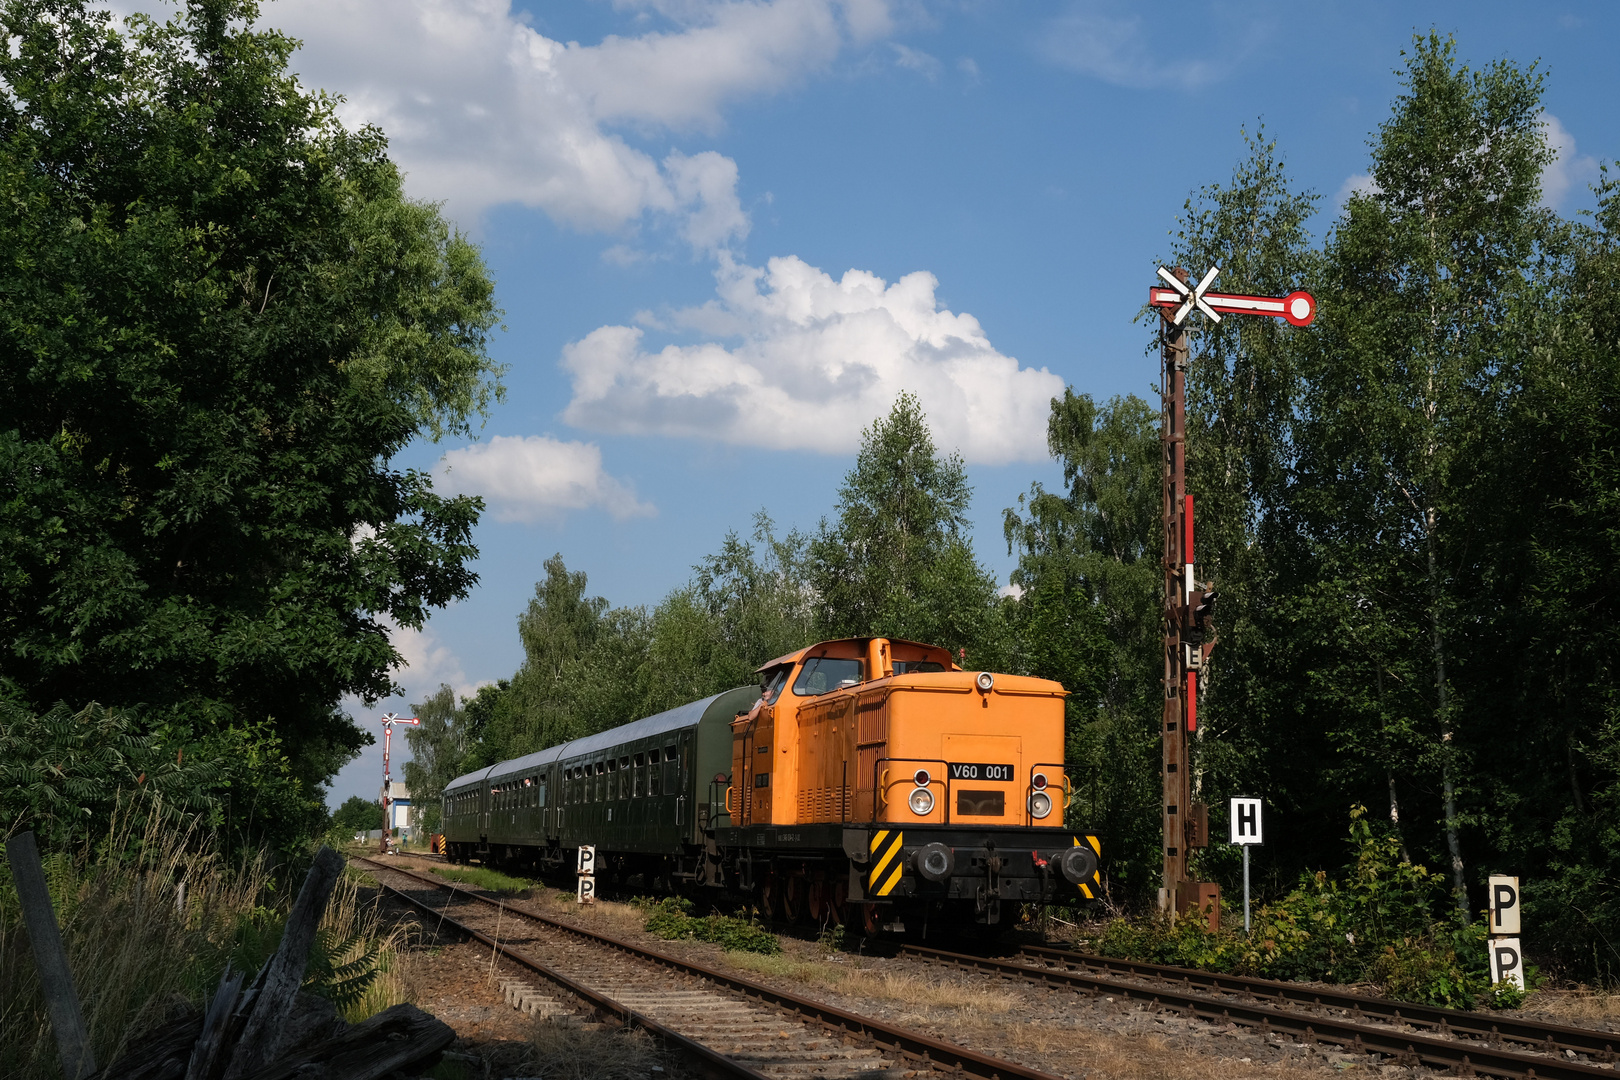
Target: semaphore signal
[
  {"x": 1189, "y": 632},
  {"x": 1299, "y": 308}
]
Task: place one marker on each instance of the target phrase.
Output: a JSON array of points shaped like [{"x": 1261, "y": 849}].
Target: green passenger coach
[{"x": 643, "y": 790}]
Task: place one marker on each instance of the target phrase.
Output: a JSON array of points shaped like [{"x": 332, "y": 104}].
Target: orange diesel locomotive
[{"x": 877, "y": 772}]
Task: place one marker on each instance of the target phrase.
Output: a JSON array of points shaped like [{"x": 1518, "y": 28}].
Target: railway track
[
  {"x": 727, "y": 1027},
  {"x": 1465, "y": 1043}
]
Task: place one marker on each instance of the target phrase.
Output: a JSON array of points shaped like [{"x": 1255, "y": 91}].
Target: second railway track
[
  {"x": 727, "y": 1027},
  {"x": 1465, "y": 1043}
]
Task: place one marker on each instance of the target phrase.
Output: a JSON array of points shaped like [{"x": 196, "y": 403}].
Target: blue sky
[{"x": 726, "y": 234}]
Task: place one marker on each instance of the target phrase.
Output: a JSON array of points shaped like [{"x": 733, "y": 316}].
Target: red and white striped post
[{"x": 388, "y": 722}]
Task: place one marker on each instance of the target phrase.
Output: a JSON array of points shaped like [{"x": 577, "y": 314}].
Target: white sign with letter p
[
  {"x": 1507, "y": 961},
  {"x": 1504, "y": 904}
]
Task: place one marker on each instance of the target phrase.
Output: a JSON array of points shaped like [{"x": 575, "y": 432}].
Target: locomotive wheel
[
  {"x": 770, "y": 898},
  {"x": 820, "y": 901},
  {"x": 839, "y": 907},
  {"x": 869, "y": 919},
  {"x": 795, "y": 899}
]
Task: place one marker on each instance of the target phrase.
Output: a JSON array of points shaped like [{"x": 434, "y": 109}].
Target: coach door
[{"x": 683, "y": 779}]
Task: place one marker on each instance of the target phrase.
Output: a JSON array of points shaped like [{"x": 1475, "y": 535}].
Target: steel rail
[
  {"x": 708, "y": 1063},
  {"x": 1408, "y": 1049},
  {"x": 914, "y": 1044},
  {"x": 1492, "y": 1026}
]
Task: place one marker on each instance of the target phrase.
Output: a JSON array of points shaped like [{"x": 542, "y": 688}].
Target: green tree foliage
[
  {"x": 1088, "y": 616},
  {"x": 1407, "y": 508},
  {"x": 898, "y": 562},
  {"x": 64, "y": 774},
  {"x": 1552, "y": 668},
  {"x": 357, "y": 815},
  {"x": 746, "y": 604},
  {"x": 1421, "y": 335},
  {"x": 222, "y": 319},
  {"x": 438, "y": 747}
]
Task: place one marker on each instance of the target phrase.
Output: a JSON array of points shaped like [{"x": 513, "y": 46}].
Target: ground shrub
[
  {"x": 671, "y": 920},
  {"x": 1385, "y": 921}
]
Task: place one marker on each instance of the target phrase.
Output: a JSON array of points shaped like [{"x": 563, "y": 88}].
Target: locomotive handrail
[{"x": 729, "y": 789}]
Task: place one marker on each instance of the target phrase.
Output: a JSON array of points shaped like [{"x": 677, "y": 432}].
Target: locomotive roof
[
  {"x": 682, "y": 716},
  {"x": 796, "y": 654}
]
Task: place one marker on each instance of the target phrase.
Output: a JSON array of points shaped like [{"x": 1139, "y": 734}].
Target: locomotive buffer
[{"x": 1189, "y": 632}]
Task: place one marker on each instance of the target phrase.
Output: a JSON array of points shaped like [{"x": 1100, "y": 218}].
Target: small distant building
[{"x": 399, "y": 808}]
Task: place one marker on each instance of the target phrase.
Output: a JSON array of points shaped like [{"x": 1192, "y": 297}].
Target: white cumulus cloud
[
  {"x": 536, "y": 477},
  {"x": 481, "y": 109},
  {"x": 1355, "y": 184},
  {"x": 1568, "y": 170},
  {"x": 814, "y": 360}
]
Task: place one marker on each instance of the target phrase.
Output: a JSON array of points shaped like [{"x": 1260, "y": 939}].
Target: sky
[{"x": 726, "y": 235}]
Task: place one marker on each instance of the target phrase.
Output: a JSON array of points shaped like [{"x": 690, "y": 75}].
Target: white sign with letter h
[{"x": 1246, "y": 825}]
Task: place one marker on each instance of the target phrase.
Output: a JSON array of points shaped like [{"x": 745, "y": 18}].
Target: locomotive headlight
[
  {"x": 985, "y": 681},
  {"x": 922, "y": 801},
  {"x": 1040, "y": 804}
]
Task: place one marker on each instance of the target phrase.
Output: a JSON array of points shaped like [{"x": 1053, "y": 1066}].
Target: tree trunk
[{"x": 1453, "y": 843}]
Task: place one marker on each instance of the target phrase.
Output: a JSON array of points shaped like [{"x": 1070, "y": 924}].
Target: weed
[
  {"x": 481, "y": 877},
  {"x": 669, "y": 920}
]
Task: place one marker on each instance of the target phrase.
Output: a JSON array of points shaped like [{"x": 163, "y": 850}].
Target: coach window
[
  {"x": 624, "y": 778},
  {"x": 824, "y": 674},
  {"x": 672, "y": 778},
  {"x": 653, "y": 787},
  {"x": 639, "y": 777}
]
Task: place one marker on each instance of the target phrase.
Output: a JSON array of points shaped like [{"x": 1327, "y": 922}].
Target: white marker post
[
  {"x": 1507, "y": 959},
  {"x": 587, "y": 874},
  {"x": 1246, "y": 832}
]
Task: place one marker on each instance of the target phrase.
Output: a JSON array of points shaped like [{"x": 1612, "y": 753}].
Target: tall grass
[{"x": 140, "y": 953}]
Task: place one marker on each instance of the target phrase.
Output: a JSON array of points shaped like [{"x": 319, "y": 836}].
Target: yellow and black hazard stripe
[
  {"x": 886, "y": 862},
  {"x": 1095, "y": 883}
]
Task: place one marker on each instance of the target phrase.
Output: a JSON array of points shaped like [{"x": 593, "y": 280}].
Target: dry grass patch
[
  {"x": 1578, "y": 1008},
  {"x": 1151, "y": 1057},
  {"x": 876, "y": 984},
  {"x": 571, "y": 1052}
]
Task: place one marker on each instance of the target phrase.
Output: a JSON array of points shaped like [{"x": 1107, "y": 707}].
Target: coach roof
[{"x": 682, "y": 716}]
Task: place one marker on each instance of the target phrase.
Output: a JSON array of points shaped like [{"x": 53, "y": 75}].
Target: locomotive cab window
[
  {"x": 824, "y": 674},
  {"x": 772, "y": 681}
]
